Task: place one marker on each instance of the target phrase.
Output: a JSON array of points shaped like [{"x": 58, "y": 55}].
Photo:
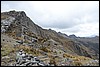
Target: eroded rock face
[{"x": 5, "y": 23}]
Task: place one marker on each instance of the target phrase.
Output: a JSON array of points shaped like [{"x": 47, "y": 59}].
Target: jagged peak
[
  {"x": 72, "y": 36},
  {"x": 14, "y": 13}
]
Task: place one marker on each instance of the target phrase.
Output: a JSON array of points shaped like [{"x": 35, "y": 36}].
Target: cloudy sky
[{"x": 71, "y": 17}]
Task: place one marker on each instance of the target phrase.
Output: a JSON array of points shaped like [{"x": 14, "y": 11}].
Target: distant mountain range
[{"x": 16, "y": 24}]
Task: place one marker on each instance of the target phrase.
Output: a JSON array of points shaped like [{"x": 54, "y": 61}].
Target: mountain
[
  {"x": 19, "y": 32},
  {"x": 92, "y": 43},
  {"x": 72, "y": 36}
]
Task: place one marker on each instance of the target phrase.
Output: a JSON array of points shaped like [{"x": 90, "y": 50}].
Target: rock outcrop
[{"x": 25, "y": 59}]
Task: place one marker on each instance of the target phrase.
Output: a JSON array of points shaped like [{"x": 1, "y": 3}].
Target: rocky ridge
[{"x": 34, "y": 40}]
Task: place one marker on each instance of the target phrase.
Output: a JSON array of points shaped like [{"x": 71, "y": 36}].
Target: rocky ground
[{"x": 14, "y": 53}]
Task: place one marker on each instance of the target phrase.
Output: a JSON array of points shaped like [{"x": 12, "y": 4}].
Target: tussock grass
[{"x": 6, "y": 50}]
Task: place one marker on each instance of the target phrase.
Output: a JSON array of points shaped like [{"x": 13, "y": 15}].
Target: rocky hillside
[
  {"x": 19, "y": 32},
  {"x": 91, "y": 42}
]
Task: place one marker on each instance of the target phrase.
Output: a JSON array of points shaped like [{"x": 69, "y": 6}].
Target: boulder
[{"x": 20, "y": 41}]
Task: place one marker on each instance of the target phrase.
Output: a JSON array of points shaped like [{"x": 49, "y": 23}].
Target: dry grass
[
  {"x": 28, "y": 50},
  {"x": 77, "y": 63},
  {"x": 19, "y": 38},
  {"x": 4, "y": 16},
  {"x": 45, "y": 49},
  {"x": 7, "y": 49},
  {"x": 67, "y": 55}
]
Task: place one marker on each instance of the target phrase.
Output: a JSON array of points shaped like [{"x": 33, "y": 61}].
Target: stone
[
  {"x": 23, "y": 55},
  {"x": 35, "y": 64},
  {"x": 22, "y": 61},
  {"x": 20, "y": 41},
  {"x": 40, "y": 64},
  {"x": 25, "y": 59},
  {"x": 17, "y": 65},
  {"x": 30, "y": 44},
  {"x": 22, "y": 65},
  {"x": 34, "y": 40},
  {"x": 29, "y": 58},
  {"x": 2, "y": 30},
  {"x": 37, "y": 59},
  {"x": 5, "y": 57},
  {"x": 27, "y": 63},
  {"x": 20, "y": 53}
]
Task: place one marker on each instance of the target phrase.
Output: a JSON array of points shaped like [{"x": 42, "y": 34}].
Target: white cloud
[
  {"x": 65, "y": 16},
  {"x": 83, "y": 30}
]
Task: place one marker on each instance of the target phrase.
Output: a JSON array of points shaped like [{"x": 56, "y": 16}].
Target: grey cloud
[{"x": 66, "y": 16}]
